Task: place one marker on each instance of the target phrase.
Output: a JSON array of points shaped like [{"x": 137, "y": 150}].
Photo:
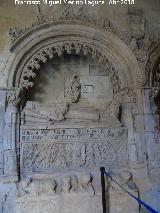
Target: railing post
[{"x": 102, "y": 169}]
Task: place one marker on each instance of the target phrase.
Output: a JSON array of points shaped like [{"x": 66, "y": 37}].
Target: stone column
[
  {"x": 11, "y": 122},
  {"x": 2, "y": 121}
]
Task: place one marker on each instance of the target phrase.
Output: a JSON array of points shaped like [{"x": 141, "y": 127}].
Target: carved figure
[
  {"x": 86, "y": 183},
  {"x": 74, "y": 183},
  {"x": 48, "y": 186},
  {"x": 66, "y": 184},
  {"x": 36, "y": 187},
  {"x": 69, "y": 184},
  {"x": 124, "y": 179},
  {"x": 41, "y": 113},
  {"x": 30, "y": 187}
]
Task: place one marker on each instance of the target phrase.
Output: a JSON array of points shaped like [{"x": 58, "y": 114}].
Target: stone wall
[{"x": 78, "y": 93}]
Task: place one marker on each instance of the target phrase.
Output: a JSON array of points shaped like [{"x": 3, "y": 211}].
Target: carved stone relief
[
  {"x": 124, "y": 178},
  {"x": 36, "y": 187},
  {"x": 63, "y": 142},
  {"x": 85, "y": 94},
  {"x": 73, "y": 183},
  {"x": 58, "y": 49},
  {"x": 83, "y": 130},
  {"x": 68, "y": 14},
  {"x": 36, "y": 112},
  {"x": 69, "y": 149},
  {"x": 72, "y": 88},
  {"x": 136, "y": 38},
  {"x": 53, "y": 137}
]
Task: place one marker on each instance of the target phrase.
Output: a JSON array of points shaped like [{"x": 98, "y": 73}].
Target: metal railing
[{"x": 105, "y": 174}]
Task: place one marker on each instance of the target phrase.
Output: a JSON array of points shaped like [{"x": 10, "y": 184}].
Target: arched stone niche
[
  {"x": 101, "y": 44},
  {"x": 56, "y": 154}
]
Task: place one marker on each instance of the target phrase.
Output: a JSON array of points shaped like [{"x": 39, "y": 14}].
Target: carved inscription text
[{"x": 72, "y": 134}]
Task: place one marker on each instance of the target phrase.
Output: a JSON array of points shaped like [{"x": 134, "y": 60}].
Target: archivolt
[
  {"x": 38, "y": 46},
  {"x": 58, "y": 49}
]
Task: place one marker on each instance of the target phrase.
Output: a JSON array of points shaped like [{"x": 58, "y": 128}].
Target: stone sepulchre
[
  {"x": 74, "y": 101},
  {"x": 71, "y": 125}
]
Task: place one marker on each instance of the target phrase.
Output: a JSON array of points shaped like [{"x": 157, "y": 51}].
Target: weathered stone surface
[{"x": 79, "y": 90}]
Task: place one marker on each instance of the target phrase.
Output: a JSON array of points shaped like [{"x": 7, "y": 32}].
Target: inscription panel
[
  {"x": 72, "y": 134},
  {"x": 72, "y": 148}
]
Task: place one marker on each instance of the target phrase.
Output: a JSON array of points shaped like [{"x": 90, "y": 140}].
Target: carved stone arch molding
[
  {"x": 49, "y": 51},
  {"x": 45, "y": 40}
]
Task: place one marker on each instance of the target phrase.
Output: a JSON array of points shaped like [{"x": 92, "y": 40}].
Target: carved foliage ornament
[
  {"x": 67, "y": 14},
  {"x": 13, "y": 97},
  {"x": 136, "y": 39},
  {"x": 58, "y": 49}
]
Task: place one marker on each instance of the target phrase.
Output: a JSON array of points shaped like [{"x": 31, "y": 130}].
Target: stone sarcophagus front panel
[{"x": 51, "y": 150}]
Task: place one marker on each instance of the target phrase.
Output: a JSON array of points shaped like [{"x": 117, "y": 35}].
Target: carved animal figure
[
  {"x": 74, "y": 183},
  {"x": 36, "y": 187},
  {"x": 66, "y": 184},
  {"x": 85, "y": 181}
]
